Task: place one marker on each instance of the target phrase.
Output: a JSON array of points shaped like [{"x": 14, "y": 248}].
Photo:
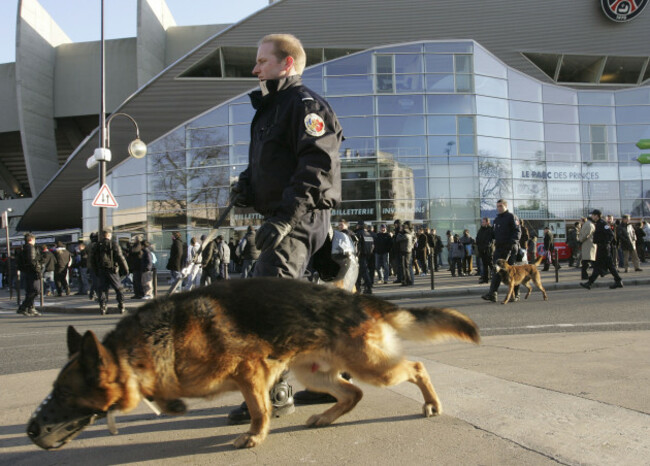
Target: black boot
[
  {"x": 281, "y": 400},
  {"x": 121, "y": 308}
]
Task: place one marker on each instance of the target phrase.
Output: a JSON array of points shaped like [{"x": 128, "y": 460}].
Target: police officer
[
  {"x": 507, "y": 232},
  {"x": 32, "y": 270},
  {"x": 107, "y": 261},
  {"x": 603, "y": 237},
  {"x": 293, "y": 175}
]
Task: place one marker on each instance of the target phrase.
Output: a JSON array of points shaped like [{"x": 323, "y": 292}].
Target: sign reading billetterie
[{"x": 623, "y": 10}]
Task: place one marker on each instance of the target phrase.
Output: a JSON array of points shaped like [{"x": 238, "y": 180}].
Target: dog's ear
[
  {"x": 94, "y": 357},
  {"x": 74, "y": 341}
]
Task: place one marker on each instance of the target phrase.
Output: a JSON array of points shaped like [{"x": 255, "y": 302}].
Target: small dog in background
[{"x": 514, "y": 275}]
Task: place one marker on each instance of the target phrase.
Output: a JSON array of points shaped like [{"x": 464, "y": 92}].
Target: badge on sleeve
[{"x": 314, "y": 125}]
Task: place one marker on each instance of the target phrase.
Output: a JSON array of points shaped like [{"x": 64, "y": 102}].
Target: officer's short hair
[
  {"x": 626, "y": 216},
  {"x": 29, "y": 237},
  {"x": 286, "y": 45},
  {"x": 503, "y": 201}
]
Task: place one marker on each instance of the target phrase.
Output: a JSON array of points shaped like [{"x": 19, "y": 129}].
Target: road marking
[
  {"x": 564, "y": 427},
  {"x": 577, "y": 325}
]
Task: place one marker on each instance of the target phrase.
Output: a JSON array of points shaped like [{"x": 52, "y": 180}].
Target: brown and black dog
[
  {"x": 514, "y": 275},
  {"x": 241, "y": 335}
]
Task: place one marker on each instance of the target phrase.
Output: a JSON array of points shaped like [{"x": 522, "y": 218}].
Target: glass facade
[{"x": 435, "y": 133}]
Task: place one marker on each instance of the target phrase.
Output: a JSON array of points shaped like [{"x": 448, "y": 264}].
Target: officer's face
[
  {"x": 501, "y": 208},
  {"x": 268, "y": 66}
]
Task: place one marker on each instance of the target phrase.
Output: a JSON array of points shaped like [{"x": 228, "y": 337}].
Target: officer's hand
[
  {"x": 271, "y": 234},
  {"x": 241, "y": 191}
]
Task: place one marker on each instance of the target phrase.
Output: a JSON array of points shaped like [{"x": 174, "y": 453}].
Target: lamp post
[
  {"x": 102, "y": 154},
  {"x": 5, "y": 222}
]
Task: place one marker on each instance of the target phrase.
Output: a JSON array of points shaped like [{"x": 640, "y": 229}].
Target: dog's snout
[{"x": 33, "y": 429}]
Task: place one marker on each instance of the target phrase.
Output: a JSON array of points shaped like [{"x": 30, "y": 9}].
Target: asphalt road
[{"x": 30, "y": 344}]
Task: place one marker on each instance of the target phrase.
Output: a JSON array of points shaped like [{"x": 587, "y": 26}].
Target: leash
[{"x": 196, "y": 262}]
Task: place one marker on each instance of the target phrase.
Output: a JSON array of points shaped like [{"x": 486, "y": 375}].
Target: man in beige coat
[{"x": 587, "y": 248}]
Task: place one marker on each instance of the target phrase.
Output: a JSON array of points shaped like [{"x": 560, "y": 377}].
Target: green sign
[
  {"x": 644, "y": 158},
  {"x": 643, "y": 144}
]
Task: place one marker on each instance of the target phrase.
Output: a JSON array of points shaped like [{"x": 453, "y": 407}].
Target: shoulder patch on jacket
[{"x": 314, "y": 125}]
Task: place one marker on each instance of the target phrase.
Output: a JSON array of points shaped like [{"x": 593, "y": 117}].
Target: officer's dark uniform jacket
[
  {"x": 507, "y": 230},
  {"x": 293, "y": 164},
  {"x": 603, "y": 236},
  {"x": 31, "y": 260},
  {"x": 118, "y": 260}
]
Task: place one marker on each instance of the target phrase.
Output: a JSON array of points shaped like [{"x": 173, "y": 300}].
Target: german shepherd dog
[
  {"x": 514, "y": 275},
  {"x": 241, "y": 335}
]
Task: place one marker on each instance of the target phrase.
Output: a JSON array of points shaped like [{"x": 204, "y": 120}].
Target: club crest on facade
[{"x": 622, "y": 10}]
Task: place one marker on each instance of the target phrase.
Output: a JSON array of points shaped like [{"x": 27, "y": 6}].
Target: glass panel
[
  {"x": 383, "y": 64},
  {"x": 547, "y": 62},
  {"x": 463, "y": 166},
  {"x": 531, "y": 209},
  {"x": 403, "y": 146},
  {"x": 595, "y": 98},
  {"x": 630, "y": 171},
  {"x": 626, "y": 152},
  {"x": 464, "y": 83},
  {"x": 561, "y": 133},
  {"x": 168, "y": 161},
  {"x": 529, "y": 150},
  {"x": 409, "y": 48},
  {"x": 463, "y": 63},
  {"x": 598, "y": 134},
  {"x": 598, "y": 115},
  {"x": 560, "y": 113},
  {"x": 495, "y": 179},
  {"x": 209, "y": 156},
  {"x": 438, "y": 167},
  {"x": 454, "y": 104},
  {"x": 405, "y": 83},
  {"x": 635, "y": 207},
  {"x": 491, "y": 106},
  {"x": 364, "y": 126},
  {"x": 526, "y": 111},
  {"x": 565, "y": 209},
  {"x": 439, "y": 188},
  {"x": 240, "y": 134},
  {"x": 440, "y": 82},
  {"x": 493, "y": 147},
  {"x": 170, "y": 142},
  {"x": 408, "y": 63},
  {"x": 562, "y": 152},
  {"x": 526, "y": 130},
  {"x": 631, "y": 189},
  {"x": 522, "y": 87},
  {"x": 442, "y": 145},
  {"x": 348, "y": 85},
  {"x": 632, "y": 133},
  {"x": 313, "y": 79},
  {"x": 242, "y": 113},
  {"x": 484, "y": 63},
  {"x": 439, "y": 63},
  {"x": 401, "y": 126},
  {"x": 466, "y": 145},
  {"x": 464, "y": 187},
  {"x": 559, "y": 95},
  {"x": 565, "y": 190},
  {"x": 466, "y": 125},
  {"x": 357, "y": 64},
  {"x": 633, "y": 115},
  {"x": 529, "y": 189},
  {"x": 634, "y": 96},
  {"x": 352, "y": 105},
  {"x": 600, "y": 190},
  {"x": 217, "y": 136},
  {"x": 487, "y": 126},
  {"x": 442, "y": 124},
  {"x": 530, "y": 170},
  {"x": 216, "y": 117},
  {"x": 358, "y": 147},
  {"x": 460, "y": 47},
  {"x": 399, "y": 105},
  {"x": 385, "y": 84},
  {"x": 358, "y": 210},
  {"x": 623, "y": 70},
  {"x": 580, "y": 68},
  {"x": 455, "y": 209}
]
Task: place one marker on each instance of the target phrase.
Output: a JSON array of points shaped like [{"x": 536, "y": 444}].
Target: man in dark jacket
[
  {"x": 107, "y": 262},
  {"x": 293, "y": 176},
  {"x": 603, "y": 238},
  {"x": 48, "y": 262},
  {"x": 365, "y": 252},
  {"x": 177, "y": 252},
  {"x": 134, "y": 259},
  {"x": 383, "y": 245},
  {"x": 507, "y": 232},
  {"x": 248, "y": 252},
  {"x": 31, "y": 269},
  {"x": 485, "y": 248},
  {"x": 549, "y": 248},
  {"x": 63, "y": 262},
  {"x": 574, "y": 245}
]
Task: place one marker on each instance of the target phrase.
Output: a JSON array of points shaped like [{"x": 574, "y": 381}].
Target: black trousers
[
  {"x": 604, "y": 263},
  {"x": 137, "y": 283},
  {"x": 32, "y": 289},
  {"x": 61, "y": 281},
  {"x": 502, "y": 252},
  {"x": 486, "y": 259},
  {"x": 291, "y": 257},
  {"x": 108, "y": 278},
  {"x": 364, "y": 274}
]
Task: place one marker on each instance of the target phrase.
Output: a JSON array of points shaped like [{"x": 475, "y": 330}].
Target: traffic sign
[
  {"x": 105, "y": 198},
  {"x": 644, "y": 158},
  {"x": 643, "y": 144}
]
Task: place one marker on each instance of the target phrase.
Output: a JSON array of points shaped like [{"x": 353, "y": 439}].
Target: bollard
[
  {"x": 41, "y": 292},
  {"x": 433, "y": 281},
  {"x": 155, "y": 282},
  {"x": 557, "y": 267},
  {"x": 18, "y": 286}
]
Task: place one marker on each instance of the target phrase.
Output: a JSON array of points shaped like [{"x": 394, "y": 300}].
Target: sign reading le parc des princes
[{"x": 623, "y": 10}]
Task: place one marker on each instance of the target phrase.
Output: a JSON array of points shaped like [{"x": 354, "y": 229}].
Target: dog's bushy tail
[
  {"x": 432, "y": 323},
  {"x": 539, "y": 260}
]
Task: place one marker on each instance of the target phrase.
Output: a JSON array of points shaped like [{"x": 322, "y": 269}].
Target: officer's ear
[{"x": 288, "y": 63}]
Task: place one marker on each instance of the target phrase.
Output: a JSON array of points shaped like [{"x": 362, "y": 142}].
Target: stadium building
[{"x": 445, "y": 106}]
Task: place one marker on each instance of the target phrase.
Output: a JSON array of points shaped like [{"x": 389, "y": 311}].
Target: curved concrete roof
[{"x": 505, "y": 28}]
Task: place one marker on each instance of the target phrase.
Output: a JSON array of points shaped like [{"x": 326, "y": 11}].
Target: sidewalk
[{"x": 444, "y": 286}]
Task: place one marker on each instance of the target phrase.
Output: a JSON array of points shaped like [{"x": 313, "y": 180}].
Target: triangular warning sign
[{"x": 104, "y": 198}]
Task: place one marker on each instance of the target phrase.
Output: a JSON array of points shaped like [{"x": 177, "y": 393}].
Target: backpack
[{"x": 106, "y": 255}]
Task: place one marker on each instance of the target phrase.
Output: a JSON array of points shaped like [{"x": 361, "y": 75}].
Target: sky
[{"x": 80, "y": 19}]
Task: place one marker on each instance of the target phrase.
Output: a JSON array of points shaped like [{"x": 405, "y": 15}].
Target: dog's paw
[
  {"x": 248, "y": 440},
  {"x": 318, "y": 420},
  {"x": 430, "y": 410},
  {"x": 175, "y": 407}
]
